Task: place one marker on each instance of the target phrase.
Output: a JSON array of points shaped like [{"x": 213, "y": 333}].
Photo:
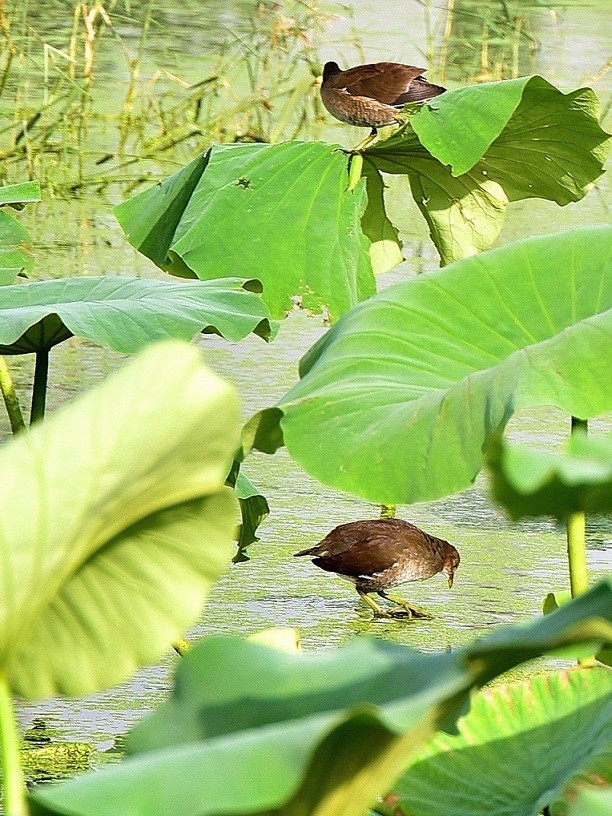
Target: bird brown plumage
[
  {"x": 378, "y": 554},
  {"x": 372, "y": 95}
]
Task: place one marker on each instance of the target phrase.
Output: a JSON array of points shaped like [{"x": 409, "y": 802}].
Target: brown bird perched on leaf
[
  {"x": 382, "y": 553},
  {"x": 373, "y": 95}
]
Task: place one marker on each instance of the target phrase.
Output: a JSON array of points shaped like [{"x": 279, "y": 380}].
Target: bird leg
[
  {"x": 379, "y": 612},
  {"x": 372, "y": 135},
  {"x": 408, "y": 611},
  {"x": 411, "y": 610}
]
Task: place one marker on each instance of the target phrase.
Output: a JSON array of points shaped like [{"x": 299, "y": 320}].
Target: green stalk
[
  {"x": 576, "y": 545},
  {"x": 13, "y": 408},
  {"x": 181, "y": 646},
  {"x": 576, "y": 551},
  {"x": 387, "y": 511},
  {"x": 576, "y": 535},
  {"x": 39, "y": 393},
  {"x": 12, "y": 773},
  {"x": 354, "y": 170}
]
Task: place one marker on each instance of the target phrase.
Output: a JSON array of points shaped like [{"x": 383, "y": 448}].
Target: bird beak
[{"x": 451, "y": 578}]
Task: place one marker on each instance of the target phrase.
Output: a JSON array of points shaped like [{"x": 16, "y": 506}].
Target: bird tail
[
  {"x": 304, "y": 552},
  {"x": 420, "y": 90}
]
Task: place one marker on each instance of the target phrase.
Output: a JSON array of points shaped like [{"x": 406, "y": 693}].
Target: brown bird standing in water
[
  {"x": 382, "y": 553},
  {"x": 372, "y": 95}
]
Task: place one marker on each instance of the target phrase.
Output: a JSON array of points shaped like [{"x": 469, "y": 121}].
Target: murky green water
[{"x": 506, "y": 569}]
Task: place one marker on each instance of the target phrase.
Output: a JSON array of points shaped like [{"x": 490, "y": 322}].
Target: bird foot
[
  {"x": 407, "y": 609},
  {"x": 415, "y": 612},
  {"x": 407, "y": 613}
]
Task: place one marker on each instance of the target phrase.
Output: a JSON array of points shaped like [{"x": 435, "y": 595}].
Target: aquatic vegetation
[
  {"x": 15, "y": 251},
  {"x": 537, "y": 483},
  {"x": 398, "y": 400},
  {"x": 118, "y": 522},
  {"x": 120, "y": 511},
  {"x": 123, "y": 314},
  {"x": 74, "y": 127},
  {"x": 506, "y": 727},
  {"x": 472, "y": 151},
  {"x": 279, "y": 213},
  {"x": 254, "y": 510},
  {"x": 252, "y": 729},
  {"x": 311, "y": 222},
  {"x": 129, "y": 476}
]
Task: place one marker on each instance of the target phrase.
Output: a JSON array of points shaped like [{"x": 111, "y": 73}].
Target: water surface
[{"x": 506, "y": 568}]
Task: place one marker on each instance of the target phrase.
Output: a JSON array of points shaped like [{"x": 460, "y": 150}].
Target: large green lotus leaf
[
  {"x": 398, "y": 399},
  {"x": 465, "y": 214},
  {"x": 470, "y": 151},
  {"x": 534, "y": 483},
  {"x": 280, "y": 213},
  {"x": 251, "y": 728},
  {"x": 125, "y": 314},
  {"x": 385, "y": 245},
  {"x": 114, "y": 522},
  {"x": 17, "y": 195},
  {"x": 15, "y": 254},
  {"x": 521, "y": 747},
  {"x": 151, "y": 218},
  {"x": 545, "y": 126}
]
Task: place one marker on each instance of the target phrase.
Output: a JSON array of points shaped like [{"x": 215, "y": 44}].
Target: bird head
[
  {"x": 330, "y": 69},
  {"x": 451, "y": 562}
]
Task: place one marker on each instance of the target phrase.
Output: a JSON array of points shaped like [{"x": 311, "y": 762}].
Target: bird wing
[
  {"x": 419, "y": 91},
  {"x": 384, "y": 81},
  {"x": 372, "y": 555}
]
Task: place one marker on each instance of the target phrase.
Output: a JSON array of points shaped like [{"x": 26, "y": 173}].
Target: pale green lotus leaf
[
  {"x": 399, "y": 399},
  {"x": 522, "y": 747},
  {"x": 252, "y": 729},
  {"x": 114, "y": 522}
]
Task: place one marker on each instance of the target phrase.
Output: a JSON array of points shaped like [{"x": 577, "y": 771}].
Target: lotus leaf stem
[
  {"x": 576, "y": 550},
  {"x": 576, "y": 536},
  {"x": 576, "y": 544},
  {"x": 181, "y": 646},
  {"x": 13, "y": 408},
  {"x": 388, "y": 511},
  {"x": 13, "y": 779},
  {"x": 354, "y": 170},
  {"x": 39, "y": 393}
]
